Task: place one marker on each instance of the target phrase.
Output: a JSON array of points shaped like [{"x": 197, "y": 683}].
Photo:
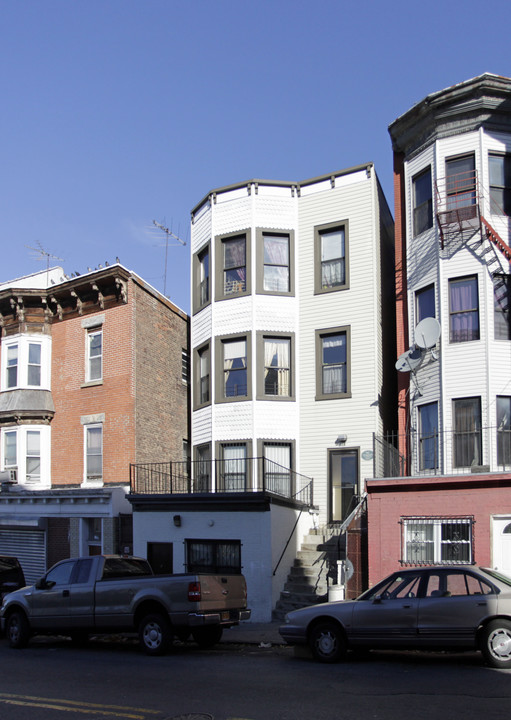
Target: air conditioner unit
[{"x": 9, "y": 476}]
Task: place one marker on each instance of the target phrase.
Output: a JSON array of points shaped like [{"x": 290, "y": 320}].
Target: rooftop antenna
[
  {"x": 168, "y": 235},
  {"x": 42, "y": 253}
]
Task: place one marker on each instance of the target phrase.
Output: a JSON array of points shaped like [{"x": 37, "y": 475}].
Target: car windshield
[
  {"x": 395, "y": 587},
  {"x": 497, "y": 575}
]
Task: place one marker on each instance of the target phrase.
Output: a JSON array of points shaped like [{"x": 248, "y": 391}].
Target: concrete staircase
[{"x": 314, "y": 569}]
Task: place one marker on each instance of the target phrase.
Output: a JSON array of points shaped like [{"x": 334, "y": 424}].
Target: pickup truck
[
  {"x": 11, "y": 575},
  {"x": 106, "y": 594}
]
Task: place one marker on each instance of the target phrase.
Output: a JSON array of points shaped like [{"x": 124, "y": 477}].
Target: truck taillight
[{"x": 194, "y": 594}]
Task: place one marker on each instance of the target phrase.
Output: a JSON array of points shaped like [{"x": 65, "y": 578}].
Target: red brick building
[{"x": 93, "y": 377}]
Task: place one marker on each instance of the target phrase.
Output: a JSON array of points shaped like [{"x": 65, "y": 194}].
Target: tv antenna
[
  {"x": 41, "y": 253},
  {"x": 168, "y": 236}
]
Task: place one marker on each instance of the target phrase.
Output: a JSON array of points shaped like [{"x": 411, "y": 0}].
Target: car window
[
  {"x": 455, "y": 584},
  {"x": 82, "y": 571},
  {"x": 61, "y": 574},
  {"x": 401, "y": 586}
]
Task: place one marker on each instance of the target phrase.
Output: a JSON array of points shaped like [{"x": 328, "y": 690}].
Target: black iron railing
[{"x": 234, "y": 475}]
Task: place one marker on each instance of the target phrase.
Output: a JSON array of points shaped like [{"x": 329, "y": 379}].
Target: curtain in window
[
  {"x": 235, "y": 368},
  {"x": 277, "y": 468},
  {"x": 420, "y": 545},
  {"x": 464, "y": 310},
  {"x": 332, "y": 258},
  {"x": 276, "y": 263},
  {"x": 334, "y": 364},
  {"x": 234, "y": 467},
  {"x": 276, "y": 366}
]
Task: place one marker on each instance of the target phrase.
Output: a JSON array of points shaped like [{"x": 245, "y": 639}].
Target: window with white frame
[
  {"x": 437, "y": 540},
  {"x": 94, "y": 453},
  {"x": 424, "y": 303},
  {"x": 428, "y": 436},
  {"x": 26, "y": 450},
  {"x": 422, "y": 202},
  {"x": 95, "y": 355},
  {"x": 25, "y": 363},
  {"x": 460, "y": 175}
]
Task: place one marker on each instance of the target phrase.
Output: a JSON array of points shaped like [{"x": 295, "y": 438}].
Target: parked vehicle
[
  {"x": 11, "y": 575},
  {"x": 110, "y": 593},
  {"x": 434, "y": 608}
]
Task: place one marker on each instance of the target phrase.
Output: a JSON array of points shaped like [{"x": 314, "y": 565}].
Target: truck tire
[
  {"x": 206, "y": 637},
  {"x": 154, "y": 634},
  {"x": 17, "y": 630}
]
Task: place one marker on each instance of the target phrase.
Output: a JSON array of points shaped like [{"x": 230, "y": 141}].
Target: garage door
[{"x": 29, "y": 546}]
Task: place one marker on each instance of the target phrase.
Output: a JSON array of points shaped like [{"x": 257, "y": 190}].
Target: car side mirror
[{"x": 44, "y": 584}]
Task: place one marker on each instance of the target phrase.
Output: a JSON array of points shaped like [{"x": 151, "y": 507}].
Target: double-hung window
[
  {"x": 277, "y": 468},
  {"x": 232, "y": 368},
  {"x": 276, "y": 252},
  {"x": 461, "y": 183},
  {"x": 202, "y": 468},
  {"x": 34, "y": 364},
  {"x": 331, "y": 257},
  {"x": 277, "y": 366},
  {"x": 463, "y": 309},
  {"x": 10, "y": 449},
  {"x": 467, "y": 432},
  {"x": 233, "y": 472},
  {"x": 502, "y": 306},
  {"x": 94, "y": 453},
  {"x": 12, "y": 366},
  {"x": 428, "y": 436},
  {"x": 504, "y": 430},
  {"x": 33, "y": 457},
  {"x": 204, "y": 276},
  {"x": 235, "y": 265},
  {"x": 95, "y": 355},
  {"x": 425, "y": 303},
  {"x": 332, "y": 363},
  {"x": 500, "y": 184},
  {"x": 422, "y": 202},
  {"x": 26, "y": 450},
  {"x": 437, "y": 540},
  {"x": 202, "y": 376}
]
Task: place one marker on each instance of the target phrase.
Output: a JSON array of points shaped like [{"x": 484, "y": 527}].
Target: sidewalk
[{"x": 254, "y": 634}]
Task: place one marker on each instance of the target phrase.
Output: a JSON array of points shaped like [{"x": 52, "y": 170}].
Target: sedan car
[{"x": 428, "y": 608}]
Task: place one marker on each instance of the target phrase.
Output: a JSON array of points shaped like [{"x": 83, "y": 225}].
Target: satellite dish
[
  {"x": 409, "y": 360},
  {"x": 427, "y": 333}
]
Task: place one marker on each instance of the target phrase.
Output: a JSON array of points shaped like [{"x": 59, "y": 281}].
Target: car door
[
  {"x": 51, "y": 601},
  {"x": 388, "y": 617},
  {"x": 454, "y": 604},
  {"x": 81, "y": 600}
]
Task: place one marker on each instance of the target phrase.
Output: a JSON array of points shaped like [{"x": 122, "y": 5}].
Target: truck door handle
[{"x": 65, "y": 593}]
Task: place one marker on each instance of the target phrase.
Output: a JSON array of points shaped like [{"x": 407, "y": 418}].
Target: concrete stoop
[{"x": 313, "y": 571}]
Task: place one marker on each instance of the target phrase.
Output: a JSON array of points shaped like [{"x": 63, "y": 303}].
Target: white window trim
[
  {"x": 99, "y": 480},
  {"x": 23, "y": 342},
  {"x": 21, "y": 455},
  {"x": 88, "y": 340},
  {"x": 436, "y": 541}
]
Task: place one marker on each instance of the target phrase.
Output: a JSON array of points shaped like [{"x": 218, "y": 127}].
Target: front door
[
  {"x": 502, "y": 544},
  {"x": 343, "y": 471}
]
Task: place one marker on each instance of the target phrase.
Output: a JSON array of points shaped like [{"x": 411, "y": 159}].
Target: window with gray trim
[
  {"x": 234, "y": 469},
  {"x": 500, "y": 183},
  {"x": 201, "y": 279},
  {"x": 275, "y": 360},
  {"x": 275, "y": 262},
  {"x": 333, "y": 363},
  {"x": 232, "y": 265},
  {"x": 202, "y": 468},
  {"x": 422, "y": 202},
  {"x": 331, "y": 257},
  {"x": 233, "y": 371},
  {"x": 502, "y": 306},
  {"x": 202, "y": 375}
]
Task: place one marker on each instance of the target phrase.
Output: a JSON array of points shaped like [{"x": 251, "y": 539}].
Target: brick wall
[{"x": 160, "y": 334}]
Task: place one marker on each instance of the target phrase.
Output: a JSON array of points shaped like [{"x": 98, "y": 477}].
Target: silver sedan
[{"x": 434, "y": 608}]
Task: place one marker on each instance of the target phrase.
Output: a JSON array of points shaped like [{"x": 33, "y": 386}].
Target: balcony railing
[
  {"x": 449, "y": 452},
  {"x": 236, "y": 475}
]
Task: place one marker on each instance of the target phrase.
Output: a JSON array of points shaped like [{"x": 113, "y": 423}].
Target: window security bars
[
  {"x": 232, "y": 475},
  {"x": 437, "y": 540}
]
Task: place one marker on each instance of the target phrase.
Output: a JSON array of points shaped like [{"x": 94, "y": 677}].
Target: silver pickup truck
[{"x": 111, "y": 593}]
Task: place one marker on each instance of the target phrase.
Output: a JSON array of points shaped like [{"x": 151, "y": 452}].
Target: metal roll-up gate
[{"x": 29, "y": 546}]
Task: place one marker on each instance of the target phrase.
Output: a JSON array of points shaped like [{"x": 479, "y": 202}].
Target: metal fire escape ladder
[{"x": 495, "y": 238}]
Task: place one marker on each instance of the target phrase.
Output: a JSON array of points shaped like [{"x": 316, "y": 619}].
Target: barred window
[
  {"x": 437, "y": 540},
  {"x": 213, "y": 556}
]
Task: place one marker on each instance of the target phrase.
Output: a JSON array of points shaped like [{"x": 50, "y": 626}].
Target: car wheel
[
  {"x": 496, "y": 643},
  {"x": 206, "y": 637},
  {"x": 17, "y": 630},
  {"x": 327, "y": 642},
  {"x": 154, "y": 634}
]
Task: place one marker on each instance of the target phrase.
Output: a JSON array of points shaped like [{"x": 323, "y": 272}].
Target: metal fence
[
  {"x": 448, "y": 452},
  {"x": 237, "y": 475}
]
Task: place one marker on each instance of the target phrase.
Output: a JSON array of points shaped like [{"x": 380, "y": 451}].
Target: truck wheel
[
  {"x": 206, "y": 637},
  {"x": 17, "y": 630},
  {"x": 154, "y": 634}
]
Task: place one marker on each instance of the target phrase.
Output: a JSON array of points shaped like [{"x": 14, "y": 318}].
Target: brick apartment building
[{"x": 93, "y": 377}]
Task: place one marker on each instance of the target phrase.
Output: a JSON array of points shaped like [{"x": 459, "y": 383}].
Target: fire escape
[{"x": 460, "y": 204}]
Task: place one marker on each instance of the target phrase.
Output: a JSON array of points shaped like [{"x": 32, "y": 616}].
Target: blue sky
[{"x": 118, "y": 112}]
